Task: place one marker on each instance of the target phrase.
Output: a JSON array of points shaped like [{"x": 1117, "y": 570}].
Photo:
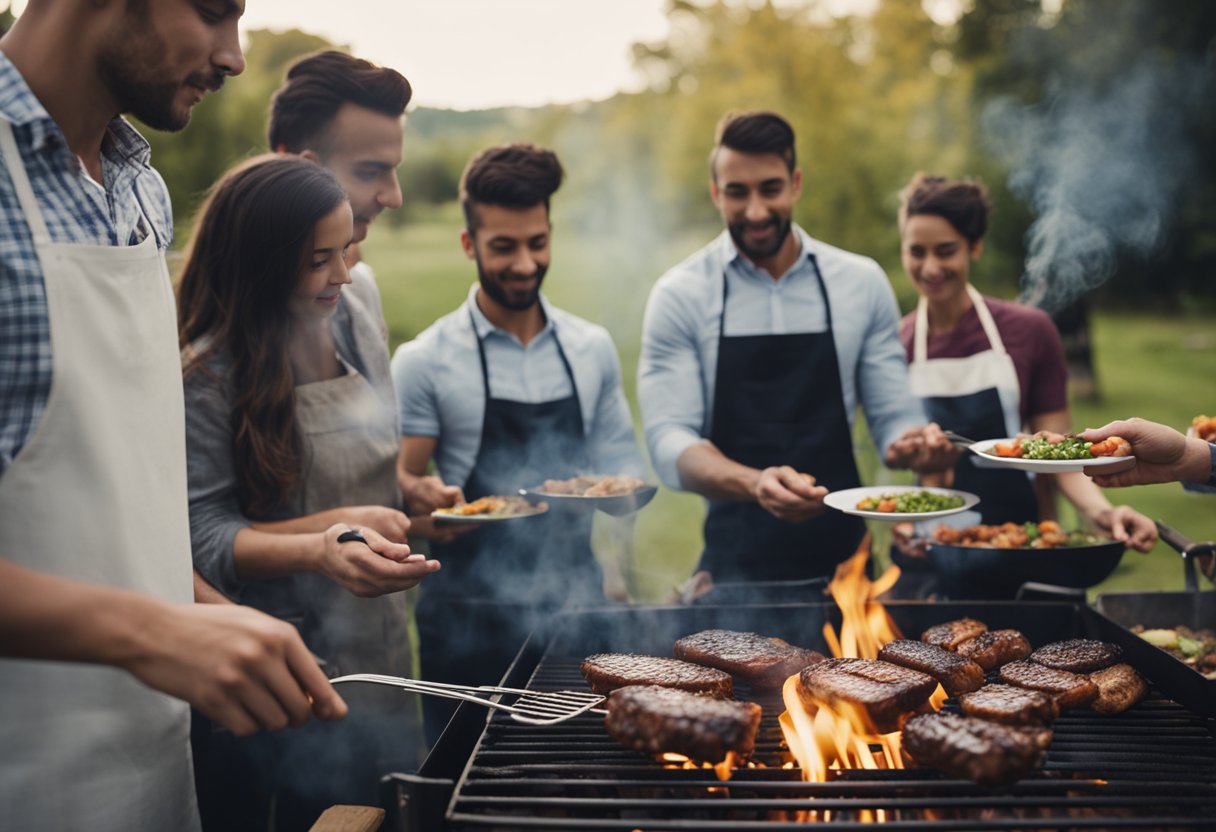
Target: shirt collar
[
  {"x": 20, "y": 106},
  {"x": 483, "y": 326}
]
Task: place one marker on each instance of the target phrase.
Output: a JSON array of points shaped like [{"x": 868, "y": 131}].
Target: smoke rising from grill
[{"x": 1100, "y": 168}]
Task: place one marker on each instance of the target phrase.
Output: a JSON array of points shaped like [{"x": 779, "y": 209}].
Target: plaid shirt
[{"x": 76, "y": 210}]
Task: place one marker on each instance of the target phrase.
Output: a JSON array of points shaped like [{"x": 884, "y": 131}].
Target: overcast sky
[{"x": 468, "y": 54}]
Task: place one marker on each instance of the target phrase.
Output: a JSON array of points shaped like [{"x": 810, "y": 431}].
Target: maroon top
[{"x": 1031, "y": 339}]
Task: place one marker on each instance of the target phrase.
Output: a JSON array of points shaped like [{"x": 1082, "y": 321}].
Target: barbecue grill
[{"x": 1153, "y": 767}]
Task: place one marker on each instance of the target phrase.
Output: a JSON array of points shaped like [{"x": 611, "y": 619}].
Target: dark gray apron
[
  {"x": 499, "y": 580},
  {"x": 778, "y": 400}
]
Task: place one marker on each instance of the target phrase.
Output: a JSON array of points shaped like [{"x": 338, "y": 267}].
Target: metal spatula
[{"x": 534, "y": 707}]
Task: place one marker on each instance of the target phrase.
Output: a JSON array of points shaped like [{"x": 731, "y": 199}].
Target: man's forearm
[
  {"x": 705, "y": 470},
  {"x": 48, "y": 617}
]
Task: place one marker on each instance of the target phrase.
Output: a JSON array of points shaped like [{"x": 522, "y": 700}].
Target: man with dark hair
[
  {"x": 345, "y": 113},
  {"x": 756, "y": 352},
  {"x": 502, "y": 394},
  {"x": 101, "y": 638}
]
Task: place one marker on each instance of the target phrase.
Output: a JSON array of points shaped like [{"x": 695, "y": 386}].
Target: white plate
[
  {"x": 475, "y": 519},
  {"x": 986, "y": 450},
  {"x": 848, "y": 499}
]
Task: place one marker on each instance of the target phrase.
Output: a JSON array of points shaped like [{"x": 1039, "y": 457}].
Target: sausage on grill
[
  {"x": 1010, "y": 705},
  {"x": 953, "y": 633},
  {"x": 986, "y": 752},
  {"x": 764, "y": 661},
  {"x": 1071, "y": 690},
  {"x": 956, "y": 673},
  {"x": 1078, "y": 655},
  {"x": 606, "y": 672},
  {"x": 657, "y": 720},
  {"x": 883, "y": 692},
  {"x": 995, "y": 648},
  {"x": 1119, "y": 687}
]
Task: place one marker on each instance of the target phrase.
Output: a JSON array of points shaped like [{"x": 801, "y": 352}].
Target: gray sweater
[{"x": 361, "y": 337}]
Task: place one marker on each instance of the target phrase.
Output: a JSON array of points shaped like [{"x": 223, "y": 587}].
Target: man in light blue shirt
[
  {"x": 502, "y": 394},
  {"x": 756, "y": 352}
]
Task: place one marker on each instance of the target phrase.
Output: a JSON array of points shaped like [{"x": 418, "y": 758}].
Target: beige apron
[
  {"x": 98, "y": 495},
  {"x": 351, "y": 435}
]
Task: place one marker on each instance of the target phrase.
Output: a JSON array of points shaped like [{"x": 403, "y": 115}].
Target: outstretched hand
[
  {"x": 1162, "y": 454},
  {"x": 374, "y": 568}
]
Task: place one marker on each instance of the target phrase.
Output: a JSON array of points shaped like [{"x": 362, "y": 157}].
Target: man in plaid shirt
[{"x": 97, "y": 622}]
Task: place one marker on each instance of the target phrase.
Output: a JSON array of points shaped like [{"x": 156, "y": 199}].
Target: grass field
[{"x": 1152, "y": 366}]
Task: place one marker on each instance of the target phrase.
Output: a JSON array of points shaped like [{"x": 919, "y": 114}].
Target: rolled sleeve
[
  {"x": 417, "y": 408},
  {"x": 882, "y": 370},
  {"x": 215, "y": 515},
  {"x": 670, "y": 389}
]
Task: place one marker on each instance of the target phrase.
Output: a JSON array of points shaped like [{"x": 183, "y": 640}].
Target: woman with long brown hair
[{"x": 292, "y": 442}]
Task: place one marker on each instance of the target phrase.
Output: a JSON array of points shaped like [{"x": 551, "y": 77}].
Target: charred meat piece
[
  {"x": 606, "y": 672},
  {"x": 1119, "y": 687},
  {"x": 950, "y": 635},
  {"x": 956, "y": 673},
  {"x": 883, "y": 692},
  {"x": 656, "y": 720},
  {"x": 995, "y": 648},
  {"x": 964, "y": 746},
  {"x": 1071, "y": 690},
  {"x": 1078, "y": 655},
  {"x": 763, "y": 661},
  {"x": 1010, "y": 705}
]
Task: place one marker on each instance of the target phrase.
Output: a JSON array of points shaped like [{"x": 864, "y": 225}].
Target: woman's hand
[
  {"x": 1127, "y": 525},
  {"x": 389, "y": 522},
  {"x": 925, "y": 449},
  {"x": 376, "y": 568}
]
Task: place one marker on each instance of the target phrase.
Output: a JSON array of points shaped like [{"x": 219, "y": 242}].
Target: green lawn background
[{"x": 1156, "y": 366}]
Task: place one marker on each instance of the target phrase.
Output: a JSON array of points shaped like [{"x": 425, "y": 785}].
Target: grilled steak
[
  {"x": 881, "y": 691},
  {"x": 763, "y": 661},
  {"x": 1119, "y": 687},
  {"x": 953, "y": 633},
  {"x": 1078, "y": 655},
  {"x": 1071, "y": 690},
  {"x": 1010, "y": 705},
  {"x": 655, "y": 720},
  {"x": 606, "y": 672},
  {"x": 995, "y": 648},
  {"x": 986, "y": 752},
  {"x": 956, "y": 673}
]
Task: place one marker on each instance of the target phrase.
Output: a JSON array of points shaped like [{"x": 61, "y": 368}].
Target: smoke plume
[{"x": 1100, "y": 167}]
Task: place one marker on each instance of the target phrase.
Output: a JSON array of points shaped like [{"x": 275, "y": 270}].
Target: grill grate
[{"x": 1153, "y": 767}]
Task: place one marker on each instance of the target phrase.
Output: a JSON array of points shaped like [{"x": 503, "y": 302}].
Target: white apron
[
  {"x": 99, "y": 495},
  {"x": 978, "y": 396}
]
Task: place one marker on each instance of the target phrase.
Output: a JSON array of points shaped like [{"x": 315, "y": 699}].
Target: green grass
[{"x": 1152, "y": 366}]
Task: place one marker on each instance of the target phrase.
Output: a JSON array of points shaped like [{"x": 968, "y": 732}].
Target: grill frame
[{"x": 471, "y": 763}]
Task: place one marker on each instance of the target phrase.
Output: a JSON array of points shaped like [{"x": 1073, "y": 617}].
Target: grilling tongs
[
  {"x": 1204, "y": 553},
  {"x": 534, "y": 707}
]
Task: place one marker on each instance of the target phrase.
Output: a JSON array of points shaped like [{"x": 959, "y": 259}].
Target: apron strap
[
  {"x": 920, "y": 331},
  {"x": 485, "y": 372},
  {"x": 21, "y": 183}
]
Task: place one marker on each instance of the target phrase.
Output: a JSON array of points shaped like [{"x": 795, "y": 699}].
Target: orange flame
[
  {"x": 722, "y": 770},
  {"x": 822, "y": 737}
]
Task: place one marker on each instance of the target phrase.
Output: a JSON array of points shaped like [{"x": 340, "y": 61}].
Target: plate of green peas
[{"x": 900, "y": 502}]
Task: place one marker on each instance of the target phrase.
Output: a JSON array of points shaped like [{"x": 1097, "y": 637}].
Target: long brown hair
[{"x": 249, "y": 245}]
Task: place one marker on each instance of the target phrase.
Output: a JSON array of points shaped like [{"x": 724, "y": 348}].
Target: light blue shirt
[
  {"x": 440, "y": 393},
  {"x": 678, "y": 364}
]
